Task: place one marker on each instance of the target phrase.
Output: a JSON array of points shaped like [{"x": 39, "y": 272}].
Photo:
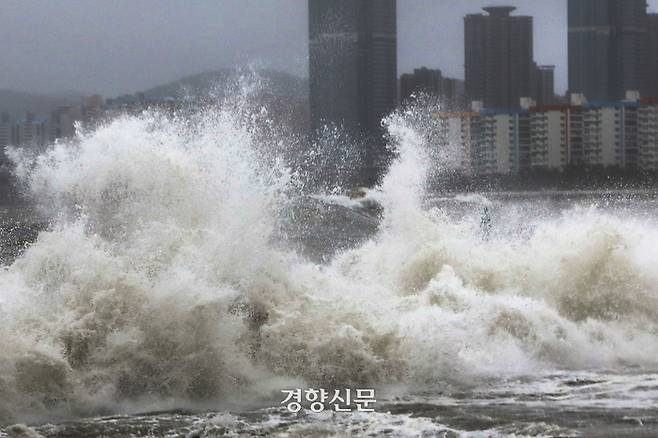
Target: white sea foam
[
  {"x": 473, "y": 198},
  {"x": 158, "y": 283}
]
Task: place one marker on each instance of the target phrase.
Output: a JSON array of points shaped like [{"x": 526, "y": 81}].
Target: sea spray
[
  {"x": 140, "y": 291},
  {"x": 159, "y": 283}
]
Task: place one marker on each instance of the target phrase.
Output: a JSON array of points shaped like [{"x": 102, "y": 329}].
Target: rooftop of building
[
  {"x": 456, "y": 114},
  {"x": 553, "y": 107},
  {"x": 499, "y": 11},
  {"x": 498, "y": 111},
  {"x": 593, "y": 104}
]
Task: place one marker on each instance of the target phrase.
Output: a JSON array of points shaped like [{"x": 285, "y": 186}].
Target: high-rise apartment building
[
  {"x": 607, "y": 48},
  {"x": 648, "y": 135},
  {"x": 461, "y": 128},
  {"x": 353, "y": 62},
  {"x": 550, "y": 137},
  {"x": 545, "y": 84},
  {"x": 31, "y": 131},
  {"x": 499, "y": 141},
  {"x": 499, "y": 67},
  {"x": 621, "y": 135},
  {"x": 353, "y": 70}
]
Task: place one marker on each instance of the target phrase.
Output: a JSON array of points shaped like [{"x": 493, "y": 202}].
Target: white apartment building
[
  {"x": 648, "y": 135},
  {"x": 491, "y": 141},
  {"x": 602, "y": 136},
  {"x": 597, "y": 134},
  {"x": 499, "y": 136},
  {"x": 549, "y": 137},
  {"x": 500, "y": 141},
  {"x": 30, "y": 132},
  {"x": 458, "y": 132},
  {"x": 585, "y": 134}
]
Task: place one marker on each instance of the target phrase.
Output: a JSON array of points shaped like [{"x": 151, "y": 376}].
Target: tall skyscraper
[
  {"x": 353, "y": 62},
  {"x": 545, "y": 84},
  {"x": 353, "y": 65},
  {"x": 607, "y": 48},
  {"x": 652, "y": 55},
  {"x": 499, "y": 57}
]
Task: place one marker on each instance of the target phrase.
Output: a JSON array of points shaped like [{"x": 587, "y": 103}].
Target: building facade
[
  {"x": 652, "y": 55},
  {"x": 462, "y": 127},
  {"x": 621, "y": 134},
  {"x": 353, "y": 72},
  {"x": 30, "y": 131},
  {"x": 607, "y": 48},
  {"x": 648, "y": 135},
  {"x": 425, "y": 80},
  {"x": 545, "y": 84},
  {"x": 549, "y": 137},
  {"x": 499, "y": 141},
  {"x": 353, "y": 62},
  {"x": 499, "y": 66},
  {"x": 5, "y": 130},
  {"x": 600, "y": 136}
]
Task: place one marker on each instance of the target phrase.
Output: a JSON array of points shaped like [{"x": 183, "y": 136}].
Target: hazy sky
[{"x": 119, "y": 46}]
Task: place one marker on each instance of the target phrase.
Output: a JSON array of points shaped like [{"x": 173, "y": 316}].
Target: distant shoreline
[{"x": 572, "y": 180}]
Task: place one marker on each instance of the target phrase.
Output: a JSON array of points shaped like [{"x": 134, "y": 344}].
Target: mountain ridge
[{"x": 218, "y": 81}]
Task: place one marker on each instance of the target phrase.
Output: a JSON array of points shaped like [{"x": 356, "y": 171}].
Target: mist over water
[{"x": 163, "y": 280}]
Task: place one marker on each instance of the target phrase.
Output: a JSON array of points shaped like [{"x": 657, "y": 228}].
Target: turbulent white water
[{"x": 158, "y": 284}]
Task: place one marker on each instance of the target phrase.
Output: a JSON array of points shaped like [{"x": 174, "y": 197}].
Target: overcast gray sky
[{"x": 118, "y": 46}]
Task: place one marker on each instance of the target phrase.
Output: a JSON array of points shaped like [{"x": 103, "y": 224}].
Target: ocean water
[{"x": 181, "y": 277}]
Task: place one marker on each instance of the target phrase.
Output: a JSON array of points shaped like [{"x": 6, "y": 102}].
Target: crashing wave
[{"x": 159, "y": 284}]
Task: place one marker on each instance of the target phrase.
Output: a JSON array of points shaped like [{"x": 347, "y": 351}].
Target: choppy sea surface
[
  {"x": 171, "y": 278},
  {"x": 569, "y": 404}
]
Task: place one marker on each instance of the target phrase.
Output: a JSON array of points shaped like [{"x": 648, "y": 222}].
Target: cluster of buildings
[
  {"x": 432, "y": 81},
  {"x": 517, "y": 124},
  {"x": 505, "y": 113},
  {"x": 29, "y": 130},
  {"x": 622, "y": 134},
  {"x": 33, "y": 131}
]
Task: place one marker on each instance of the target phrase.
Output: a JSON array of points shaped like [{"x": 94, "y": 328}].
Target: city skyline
[{"x": 118, "y": 49}]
